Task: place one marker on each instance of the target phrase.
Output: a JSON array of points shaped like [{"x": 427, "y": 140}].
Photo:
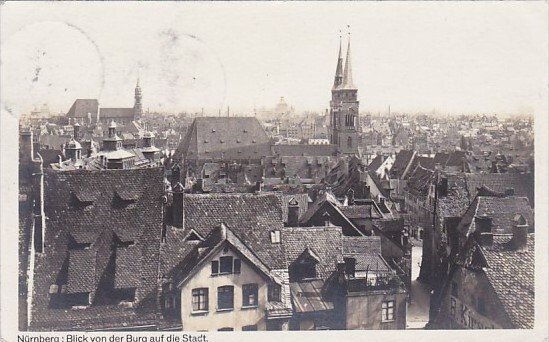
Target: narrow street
[{"x": 418, "y": 309}]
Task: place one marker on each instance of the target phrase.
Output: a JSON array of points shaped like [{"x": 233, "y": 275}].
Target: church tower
[
  {"x": 344, "y": 117},
  {"x": 137, "y": 107}
]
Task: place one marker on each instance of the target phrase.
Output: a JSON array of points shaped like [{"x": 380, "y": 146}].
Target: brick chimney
[
  {"x": 293, "y": 213},
  {"x": 350, "y": 197},
  {"x": 177, "y": 205},
  {"x": 484, "y": 230},
  {"x": 520, "y": 233}
]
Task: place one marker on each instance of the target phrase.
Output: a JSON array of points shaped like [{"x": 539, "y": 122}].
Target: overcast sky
[{"x": 452, "y": 57}]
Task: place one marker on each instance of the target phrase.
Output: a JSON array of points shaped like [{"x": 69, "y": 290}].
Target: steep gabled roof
[
  {"x": 81, "y": 107},
  {"x": 212, "y": 244},
  {"x": 97, "y": 223},
  {"x": 233, "y": 138},
  {"x": 251, "y": 216}
]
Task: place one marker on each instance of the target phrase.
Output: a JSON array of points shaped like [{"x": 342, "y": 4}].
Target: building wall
[
  {"x": 213, "y": 319},
  {"x": 471, "y": 285},
  {"x": 364, "y": 310}
]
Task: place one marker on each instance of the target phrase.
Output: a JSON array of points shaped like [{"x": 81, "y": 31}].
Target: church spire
[
  {"x": 339, "y": 69},
  {"x": 348, "y": 72},
  {"x": 137, "y": 107}
]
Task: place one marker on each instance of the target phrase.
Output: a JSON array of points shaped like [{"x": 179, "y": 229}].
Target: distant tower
[
  {"x": 344, "y": 117},
  {"x": 137, "y": 107}
]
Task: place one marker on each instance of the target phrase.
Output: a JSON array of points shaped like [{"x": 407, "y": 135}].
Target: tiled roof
[
  {"x": 81, "y": 274},
  {"x": 234, "y": 138},
  {"x": 361, "y": 245},
  {"x": 500, "y": 210},
  {"x": 81, "y": 107},
  {"x": 95, "y": 221},
  {"x": 419, "y": 180},
  {"x": 523, "y": 184},
  {"x": 128, "y": 270},
  {"x": 361, "y": 211},
  {"x": 512, "y": 276},
  {"x": 325, "y": 242},
  {"x": 116, "y": 113},
  {"x": 372, "y": 262},
  {"x": 403, "y": 158},
  {"x": 376, "y": 162},
  {"x": 302, "y": 200},
  {"x": 304, "y": 150},
  {"x": 251, "y": 216}
]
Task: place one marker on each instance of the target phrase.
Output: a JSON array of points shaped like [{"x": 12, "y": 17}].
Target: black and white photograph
[{"x": 209, "y": 167}]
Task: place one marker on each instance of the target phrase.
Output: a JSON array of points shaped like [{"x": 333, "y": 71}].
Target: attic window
[
  {"x": 81, "y": 200},
  {"x": 193, "y": 237},
  {"x": 275, "y": 236}
]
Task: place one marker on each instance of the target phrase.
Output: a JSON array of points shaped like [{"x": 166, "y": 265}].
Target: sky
[{"x": 473, "y": 57}]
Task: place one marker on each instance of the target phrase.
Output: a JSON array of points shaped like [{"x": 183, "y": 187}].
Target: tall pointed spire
[
  {"x": 338, "y": 79},
  {"x": 348, "y": 72}
]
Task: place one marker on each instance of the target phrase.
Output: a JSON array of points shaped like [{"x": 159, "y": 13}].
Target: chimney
[
  {"x": 258, "y": 186},
  {"x": 350, "y": 197},
  {"x": 520, "y": 233},
  {"x": 177, "y": 205},
  {"x": 176, "y": 175},
  {"x": 509, "y": 192},
  {"x": 293, "y": 213},
  {"x": 484, "y": 230},
  {"x": 366, "y": 192},
  {"x": 444, "y": 186}
]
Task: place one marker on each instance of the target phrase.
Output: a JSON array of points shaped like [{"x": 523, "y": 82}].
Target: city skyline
[{"x": 493, "y": 65}]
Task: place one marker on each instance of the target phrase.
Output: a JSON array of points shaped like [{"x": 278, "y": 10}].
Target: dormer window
[
  {"x": 275, "y": 236},
  {"x": 305, "y": 266}
]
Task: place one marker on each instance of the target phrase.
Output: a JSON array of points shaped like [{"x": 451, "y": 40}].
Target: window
[
  {"x": 226, "y": 264},
  {"x": 454, "y": 289},
  {"x": 275, "y": 236},
  {"x": 225, "y": 329},
  {"x": 200, "y": 299},
  {"x": 387, "y": 311},
  {"x": 249, "y": 328},
  {"x": 453, "y": 307},
  {"x": 225, "y": 298},
  {"x": 215, "y": 267},
  {"x": 274, "y": 292},
  {"x": 236, "y": 266},
  {"x": 249, "y": 295},
  {"x": 481, "y": 306}
]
